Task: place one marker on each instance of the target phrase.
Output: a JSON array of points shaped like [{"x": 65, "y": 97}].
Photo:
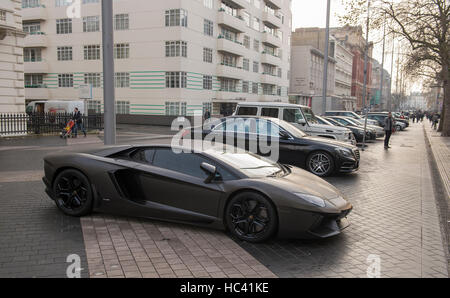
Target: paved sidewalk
[{"x": 128, "y": 247}]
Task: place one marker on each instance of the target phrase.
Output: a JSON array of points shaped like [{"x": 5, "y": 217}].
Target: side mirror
[
  {"x": 210, "y": 170},
  {"x": 284, "y": 135},
  {"x": 301, "y": 122}
]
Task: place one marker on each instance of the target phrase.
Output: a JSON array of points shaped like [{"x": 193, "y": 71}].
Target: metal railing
[{"x": 17, "y": 124}]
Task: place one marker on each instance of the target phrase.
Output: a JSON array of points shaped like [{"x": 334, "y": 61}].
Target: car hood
[
  {"x": 303, "y": 182},
  {"x": 330, "y": 142},
  {"x": 328, "y": 128}
]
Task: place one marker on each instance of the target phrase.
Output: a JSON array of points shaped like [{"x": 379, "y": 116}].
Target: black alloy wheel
[
  {"x": 73, "y": 193},
  {"x": 251, "y": 217},
  {"x": 320, "y": 164}
]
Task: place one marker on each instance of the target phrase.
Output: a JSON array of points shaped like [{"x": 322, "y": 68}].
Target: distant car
[
  {"x": 378, "y": 129},
  {"x": 253, "y": 198},
  {"x": 380, "y": 117},
  {"x": 349, "y": 114},
  {"x": 322, "y": 157},
  {"x": 357, "y": 131},
  {"x": 348, "y": 122}
]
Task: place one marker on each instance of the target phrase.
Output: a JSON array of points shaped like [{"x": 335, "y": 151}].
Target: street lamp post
[
  {"x": 325, "y": 67},
  {"x": 366, "y": 58},
  {"x": 108, "y": 72}
]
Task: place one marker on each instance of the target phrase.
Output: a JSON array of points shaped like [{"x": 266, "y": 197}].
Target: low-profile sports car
[{"x": 252, "y": 197}]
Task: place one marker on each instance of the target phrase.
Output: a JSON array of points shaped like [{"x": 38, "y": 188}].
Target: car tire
[
  {"x": 251, "y": 217},
  {"x": 398, "y": 128},
  {"x": 73, "y": 193},
  {"x": 320, "y": 163}
]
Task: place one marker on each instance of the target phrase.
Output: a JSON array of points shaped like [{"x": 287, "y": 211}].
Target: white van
[
  {"x": 55, "y": 107},
  {"x": 300, "y": 116}
]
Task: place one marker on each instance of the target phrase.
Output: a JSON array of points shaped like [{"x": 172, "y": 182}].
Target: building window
[
  {"x": 2, "y": 15},
  {"x": 256, "y": 24},
  {"x": 91, "y": 24},
  {"x": 64, "y": 53},
  {"x": 32, "y": 27},
  {"x": 228, "y": 85},
  {"x": 32, "y": 55},
  {"x": 246, "y": 64},
  {"x": 246, "y": 41},
  {"x": 176, "y": 48},
  {"x": 121, "y": 51},
  {"x": 175, "y": 108},
  {"x": 121, "y": 22},
  {"x": 122, "y": 107},
  {"x": 31, "y": 3},
  {"x": 280, "y": 72},
  {"x": 255, "y": 66},
  {"x": 94, "y": 106},
  {"x": 34, "y": 81},
  {"x": 245, "y": 87},
  {"x": 207, "y": 82},
  {"x": 246, "y": 17},
  {"x": 90, "y": 1},
  {"x": 256, "y": 45},
  {"x": 175, "y": 79},
  {"x": 208, "y": 3},
  {"x": 229, "y": 60},
  {"x": 208, "y": 27},
  {"x": 207, "y": 55},
  {"x": 176, "y": 17},
  {"x": 65, "y": 80},
  {"x": 64, "y": 26},
  {"x": 92, "y": 52},
  {"x": 255, "y": 88},
  {"x": 61, "y": 3},
  {"x": 94, "y": 79},
  {"x": 122, "y": 80}
]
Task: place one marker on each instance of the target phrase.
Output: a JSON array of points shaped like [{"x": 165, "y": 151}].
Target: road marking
[{"x": 21, "y": 176}]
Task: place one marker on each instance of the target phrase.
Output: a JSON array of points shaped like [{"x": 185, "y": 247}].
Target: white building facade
[
  {"x": 307, "y": 65},
  {"x": 12, "y": 93},
  {"x": 343, "y": 79},
  {"x": 172, "y": 57}
]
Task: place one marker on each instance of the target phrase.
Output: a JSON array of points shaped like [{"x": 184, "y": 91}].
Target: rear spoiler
[{"x": 113, "y": 150}]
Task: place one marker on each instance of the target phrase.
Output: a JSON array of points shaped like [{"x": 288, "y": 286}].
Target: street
[{"x": 395, "y": 220}]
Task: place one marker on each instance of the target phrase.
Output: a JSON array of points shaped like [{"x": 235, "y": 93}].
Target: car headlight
[
  {"x": 316, "y": 201},
  {"x": 344, "y": 152}
]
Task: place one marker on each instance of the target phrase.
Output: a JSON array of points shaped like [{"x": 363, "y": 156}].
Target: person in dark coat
[
  {"x": 207, "y": 115},
  {"x": 388, "y": 128},
  {"x": 78, "y": 118}
]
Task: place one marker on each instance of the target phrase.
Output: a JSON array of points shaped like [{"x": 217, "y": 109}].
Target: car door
[{"x": 174, "y": 184}]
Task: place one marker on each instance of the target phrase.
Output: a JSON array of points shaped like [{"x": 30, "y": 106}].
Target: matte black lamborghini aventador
[{"x": 252, "y": 197}]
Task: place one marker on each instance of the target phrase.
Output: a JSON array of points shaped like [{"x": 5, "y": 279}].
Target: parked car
[
  {"x": 380, "y": 117},
  {"x": 349, "y": 114},
  {"x": 356, "y": 130},
  {"x": 347, "y": 122},
  {"x": 320, "y": 156},
  {"x": 378, "y": 129},
  {"x": 252, "y": 197},
  {"x": 301, "y": 117}
]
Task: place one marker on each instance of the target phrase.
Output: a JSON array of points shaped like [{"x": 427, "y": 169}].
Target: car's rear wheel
[
  {"x": 251, "y": 217},
  {"x": 73, "y": 193},
  {"x": 320, "y": 164}
]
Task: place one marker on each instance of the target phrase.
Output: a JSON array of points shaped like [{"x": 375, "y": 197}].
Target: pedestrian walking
[
  {"x": 388, "y": 128},
  {"x": 78, "y": 118},
  {"x": 435, "y": 121},
  {"x": 414, "y": 117},
  {"x": 207, "y": 115}
]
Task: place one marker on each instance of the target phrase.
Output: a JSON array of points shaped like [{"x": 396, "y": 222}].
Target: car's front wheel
[
  {"x": 251, "y": 217},
  {"x": 320, "y": 164},
  {"x": 73, "y": 193}
]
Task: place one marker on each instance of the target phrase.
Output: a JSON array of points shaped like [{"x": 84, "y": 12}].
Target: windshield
[
  {"x": 352, "y": 121},
  {"x": 251, "y": 165},
  {"x": 310, "y": 117},
  {"x": 294, "y": 131}
]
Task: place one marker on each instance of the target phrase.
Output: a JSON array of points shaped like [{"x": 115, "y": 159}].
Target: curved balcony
[
  {"x": 231, "y": 72},
  {"x": 272, "y": 20},
  {"x": 36, "y": 67},
  {"x": 274, "y": 3},
  {"x": 36, "y": 92},
  {"x": 271, "y": 40},
  {"x": 36, "y": 40},
  {"x": 229, "y": 46},
  {"x": 267, "y": 58},
  {"x": 38, "y": 13},
  {"x": 231, "y": 22}
]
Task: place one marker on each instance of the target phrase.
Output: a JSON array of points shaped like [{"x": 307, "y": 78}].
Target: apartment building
[
  {"x": 172, "y": 57},
  {"x": 344, "y": 69},
  {"x": 12, "y": 93},
  {"x": 379, "y": 100}
]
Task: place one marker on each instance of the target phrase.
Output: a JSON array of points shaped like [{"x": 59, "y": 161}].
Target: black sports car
[
  {"x": 252, "y": 197},
  {"x": 321, "y": 156}
]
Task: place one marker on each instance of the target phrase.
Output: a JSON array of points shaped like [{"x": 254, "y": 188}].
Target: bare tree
[{"x": 425, "y": 25}]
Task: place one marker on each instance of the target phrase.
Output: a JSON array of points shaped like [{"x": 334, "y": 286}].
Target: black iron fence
[{"x": 43, "y": 123}]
